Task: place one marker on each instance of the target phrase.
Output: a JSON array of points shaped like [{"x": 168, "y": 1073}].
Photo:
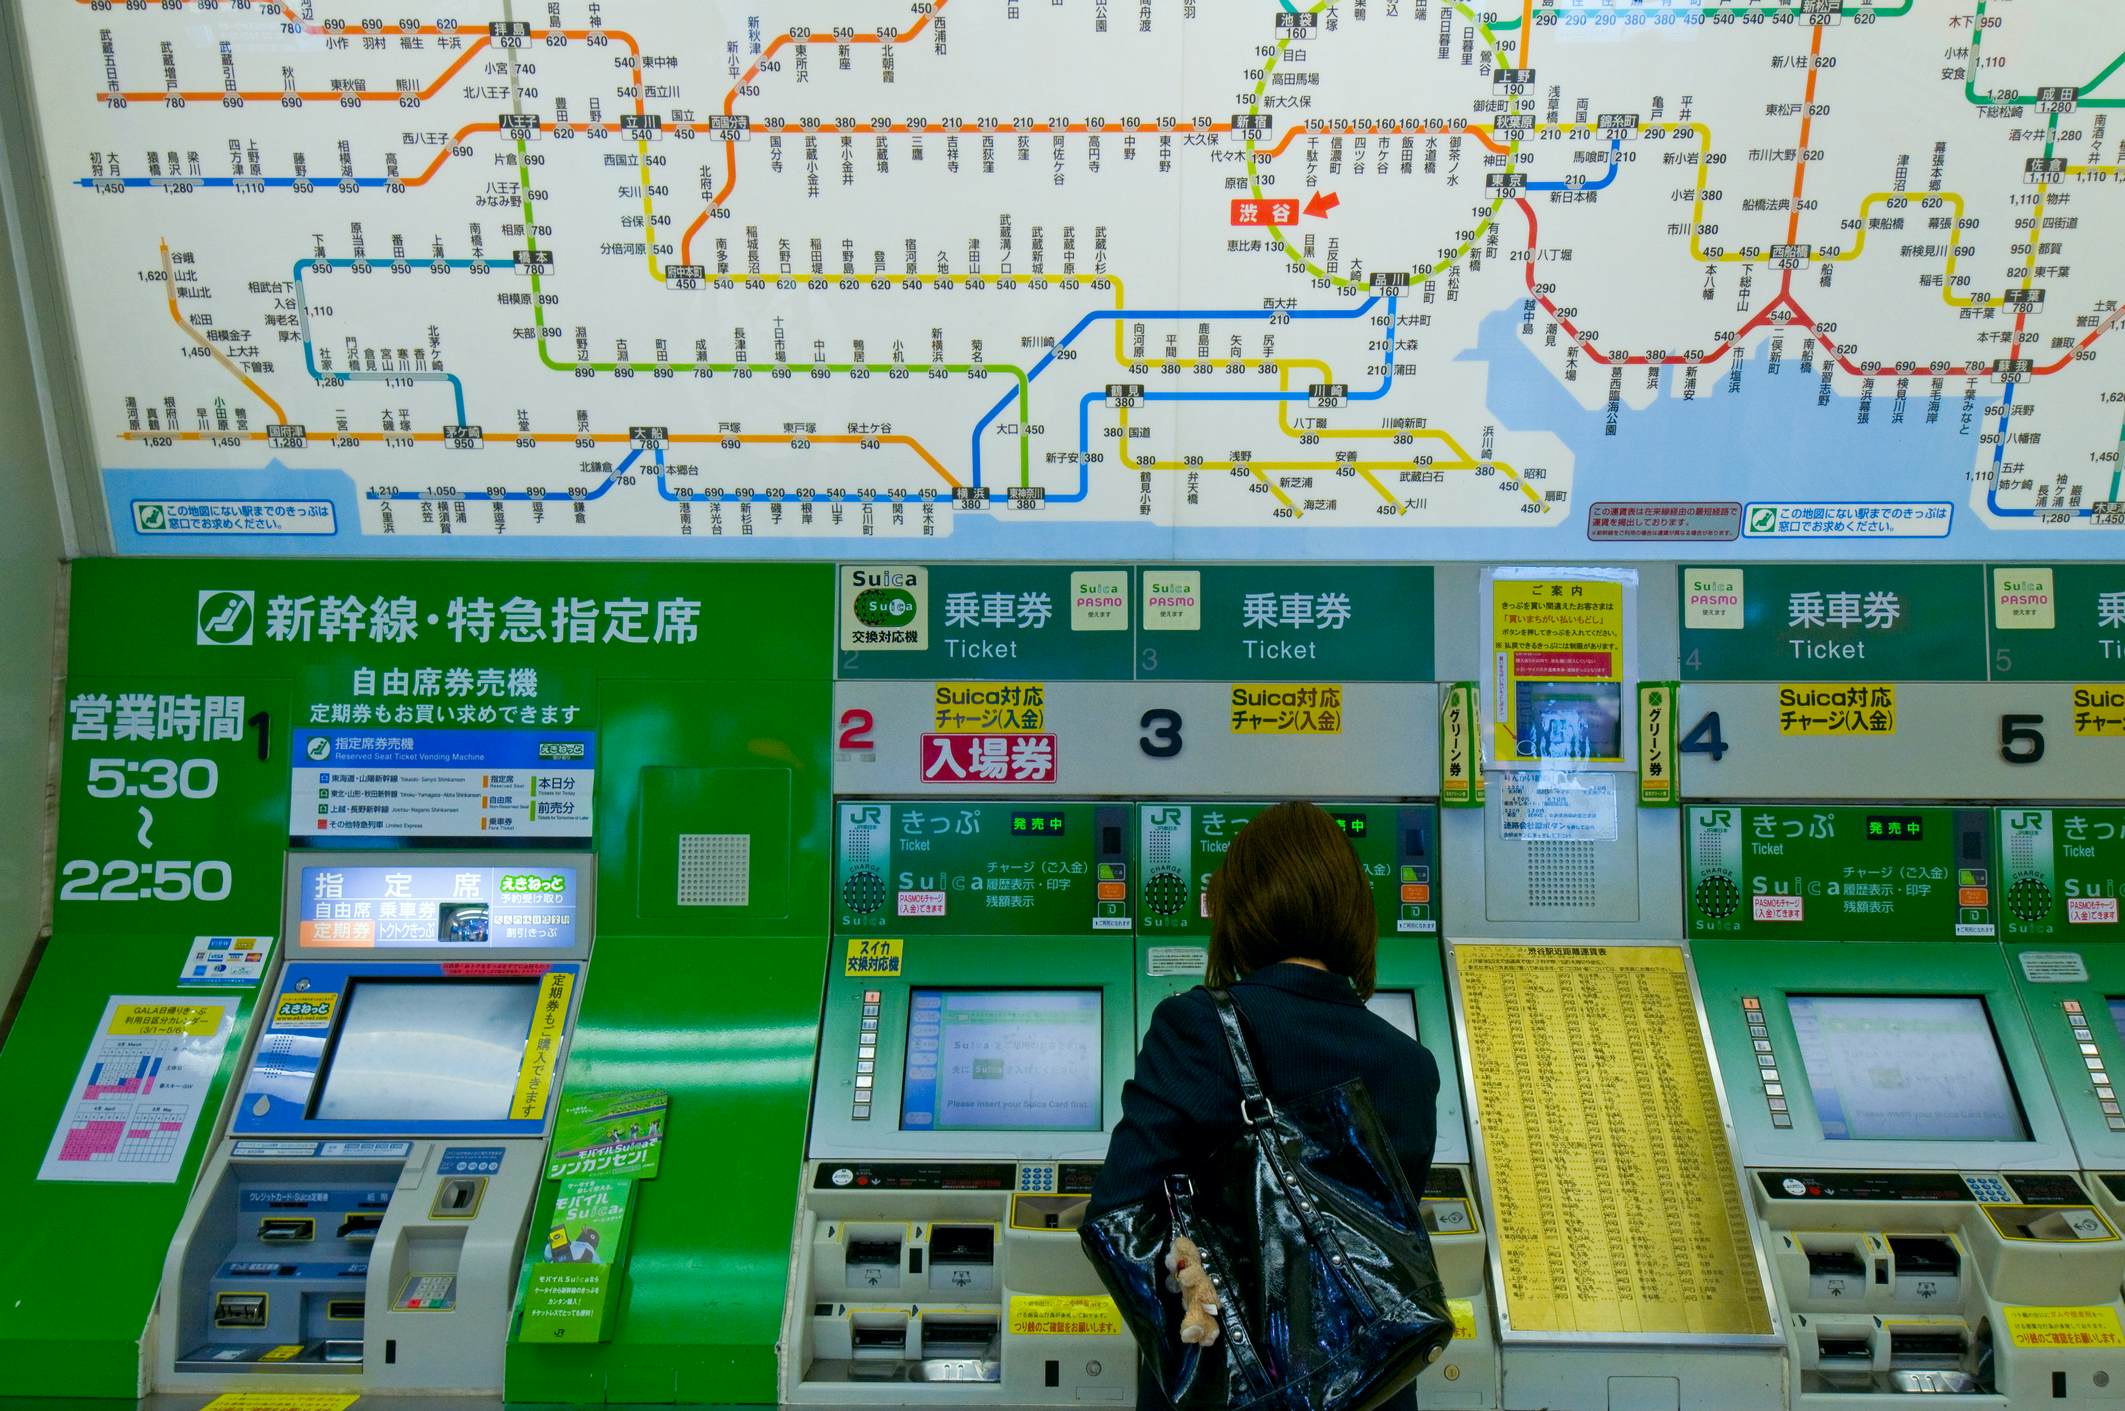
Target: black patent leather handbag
[{"x": 1330, "y": 1297}]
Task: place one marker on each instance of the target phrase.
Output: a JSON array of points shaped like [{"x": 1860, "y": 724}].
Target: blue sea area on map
[{"x": 1770, "y": 441}]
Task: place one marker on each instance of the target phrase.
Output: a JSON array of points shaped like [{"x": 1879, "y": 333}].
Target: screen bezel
[
  {"x": 344, "y": 1011},
  {"x": 1999, "y": 1050},
  {"x": 1099, "y": 1011}
]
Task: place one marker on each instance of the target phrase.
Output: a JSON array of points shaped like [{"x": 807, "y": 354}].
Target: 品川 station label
[
  {"x": 1760, "y": 872},
  {"x": 1045, "y": 623},
  {"x": 1903, "y": 622}
]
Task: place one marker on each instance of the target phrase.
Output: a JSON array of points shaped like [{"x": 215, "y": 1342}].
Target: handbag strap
[{"x": 1255, "y": 1107}]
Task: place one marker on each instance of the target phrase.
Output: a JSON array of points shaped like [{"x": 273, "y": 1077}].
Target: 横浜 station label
[{"x": 1834, "y": 622}]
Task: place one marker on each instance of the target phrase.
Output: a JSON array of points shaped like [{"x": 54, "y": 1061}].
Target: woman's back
[{"x": 1308, "y": 1031}]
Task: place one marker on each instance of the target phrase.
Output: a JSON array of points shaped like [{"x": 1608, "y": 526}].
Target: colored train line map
[{"x": 1064, "y": 278}]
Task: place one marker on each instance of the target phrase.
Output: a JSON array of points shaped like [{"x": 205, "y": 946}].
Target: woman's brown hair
[{"x": 1291, "y": 887}]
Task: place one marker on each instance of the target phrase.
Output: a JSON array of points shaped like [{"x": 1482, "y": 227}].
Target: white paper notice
[
  {"x": 141, "y": 1089},
  {"x": 1161, "y": 961},
  {"x": 1552, "y": 805}
]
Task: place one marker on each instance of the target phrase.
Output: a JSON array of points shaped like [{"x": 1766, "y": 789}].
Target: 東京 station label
[
  {"x": 1834, "y": 622},
  {"x": 2062, "y": 872},
  {"x": 1838, "y": 873},
  {"x": 989, "y": 622}
]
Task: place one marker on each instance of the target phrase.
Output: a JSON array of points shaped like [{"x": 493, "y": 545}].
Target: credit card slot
[
  {"x": 358, "y": 1227},
  {"x": 287, "y": 1229},
  {"x": 239, "y": 1310}
]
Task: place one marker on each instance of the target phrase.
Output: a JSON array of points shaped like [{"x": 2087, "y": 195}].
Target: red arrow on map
[{"x": 1322, "y": 202}]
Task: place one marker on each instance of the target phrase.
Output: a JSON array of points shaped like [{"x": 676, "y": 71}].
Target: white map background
[{"x": 997, "y": 275}]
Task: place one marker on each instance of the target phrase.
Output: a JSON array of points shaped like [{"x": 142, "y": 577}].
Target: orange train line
[
  {"x": 379, "y": 95},
  {"x": 571, "y": 437},
  {"x": 730, "y": 99},
  {"x": 169, "y": 289}
]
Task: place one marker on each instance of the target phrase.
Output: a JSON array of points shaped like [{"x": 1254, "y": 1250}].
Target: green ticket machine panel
[
  {"x": 1929, "y": 1229},
  {"x": 980, "y": 1020},
  {"x": 2061, "y": 870},
  {"x": 1838, "y": 873},
  {"x": 1180, "y": 845}
]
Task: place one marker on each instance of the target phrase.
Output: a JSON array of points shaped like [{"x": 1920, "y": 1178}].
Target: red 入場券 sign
[{"x": 988, "y": 759}]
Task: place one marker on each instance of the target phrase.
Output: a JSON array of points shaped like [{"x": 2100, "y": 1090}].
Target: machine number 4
[{"x": 1704, "y": 738}]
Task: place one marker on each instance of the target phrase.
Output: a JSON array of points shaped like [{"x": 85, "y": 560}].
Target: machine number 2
[{"x": 856, "y": 727}]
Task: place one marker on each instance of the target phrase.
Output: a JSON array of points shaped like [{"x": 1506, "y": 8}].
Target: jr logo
[
  {"x": 1166, "y": 818},
  {"x": 226, "y": 617}
]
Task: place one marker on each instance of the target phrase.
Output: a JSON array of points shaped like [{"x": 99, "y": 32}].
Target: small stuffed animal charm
[{"x": 1199, "y": 1305}]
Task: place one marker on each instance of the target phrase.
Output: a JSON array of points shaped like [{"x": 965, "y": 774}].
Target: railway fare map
[{"x": 1069, "y": 278}]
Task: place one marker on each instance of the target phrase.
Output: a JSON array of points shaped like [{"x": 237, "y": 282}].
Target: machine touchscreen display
[
  {"x": 1397, "y": 1007},
  {"x": 1002, "y": 1060},
  {"x": 427, "y": 1051},
  {"x": 1905, "y": 1068}
]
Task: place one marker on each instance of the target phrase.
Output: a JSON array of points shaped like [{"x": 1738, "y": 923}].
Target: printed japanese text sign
[{"x": 1560, "y": 652}]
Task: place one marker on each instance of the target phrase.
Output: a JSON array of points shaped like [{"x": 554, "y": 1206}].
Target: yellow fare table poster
[{"x": 1612, "y": 1190}]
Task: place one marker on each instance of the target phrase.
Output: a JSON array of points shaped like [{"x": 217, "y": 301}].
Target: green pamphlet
[
  {"x": 571, "y": 1274},
  {"x": 609, "y": 1134}
]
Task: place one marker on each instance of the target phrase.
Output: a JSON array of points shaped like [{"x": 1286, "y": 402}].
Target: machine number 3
[{"x": 1162, "y": 733}]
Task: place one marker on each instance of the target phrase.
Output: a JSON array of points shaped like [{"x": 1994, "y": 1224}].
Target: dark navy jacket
[{"x": 1308, "y": 1031}]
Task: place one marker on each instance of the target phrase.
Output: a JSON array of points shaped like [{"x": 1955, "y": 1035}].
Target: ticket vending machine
[
  {"x": 1180, "y": 845},
  {"x": 1929, "y": 1232},
  {"x": 979, "y": 1023},
  {"x": 2060, "y": 870},
  {"x": 360, "y": 1223}
]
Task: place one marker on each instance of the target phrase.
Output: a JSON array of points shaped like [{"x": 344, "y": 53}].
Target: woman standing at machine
[{"x": 1293, "y": 939}]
